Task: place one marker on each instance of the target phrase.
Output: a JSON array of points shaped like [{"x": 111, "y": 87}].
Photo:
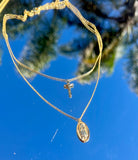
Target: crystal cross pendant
[{"x": 68, "y": 86}]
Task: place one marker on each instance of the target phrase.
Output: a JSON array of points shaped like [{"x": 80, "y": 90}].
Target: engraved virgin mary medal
[{"x": 83, "y": 132}]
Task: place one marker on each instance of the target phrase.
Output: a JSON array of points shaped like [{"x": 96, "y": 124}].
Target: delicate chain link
[{"x": 3, "y": 4}]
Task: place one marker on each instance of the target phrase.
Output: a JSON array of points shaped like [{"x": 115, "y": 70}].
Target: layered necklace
[{"x": 81, "y": 129}]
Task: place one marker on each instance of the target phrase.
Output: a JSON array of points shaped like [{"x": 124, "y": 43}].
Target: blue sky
[{"x": 27, "y": 124}]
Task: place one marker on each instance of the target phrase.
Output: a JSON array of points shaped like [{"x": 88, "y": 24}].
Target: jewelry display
[{"x": 82, "y": 129}]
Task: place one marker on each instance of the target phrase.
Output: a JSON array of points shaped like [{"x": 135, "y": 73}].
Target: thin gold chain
[
  {"x": 3, "y": 4},
  {"x": 36, "y": 11}
]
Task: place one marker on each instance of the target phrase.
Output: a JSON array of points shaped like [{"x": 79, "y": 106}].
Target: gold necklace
[{"x": 81, "y": 129}]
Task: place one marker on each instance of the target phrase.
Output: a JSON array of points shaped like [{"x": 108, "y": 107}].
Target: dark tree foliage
[{"x": 112, "y": 18}]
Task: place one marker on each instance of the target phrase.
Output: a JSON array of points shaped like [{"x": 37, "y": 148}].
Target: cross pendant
[{"x": 68, "y": 86}]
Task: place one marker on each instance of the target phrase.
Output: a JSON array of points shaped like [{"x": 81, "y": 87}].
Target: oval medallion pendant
[{"x": 83, "y": 132}]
